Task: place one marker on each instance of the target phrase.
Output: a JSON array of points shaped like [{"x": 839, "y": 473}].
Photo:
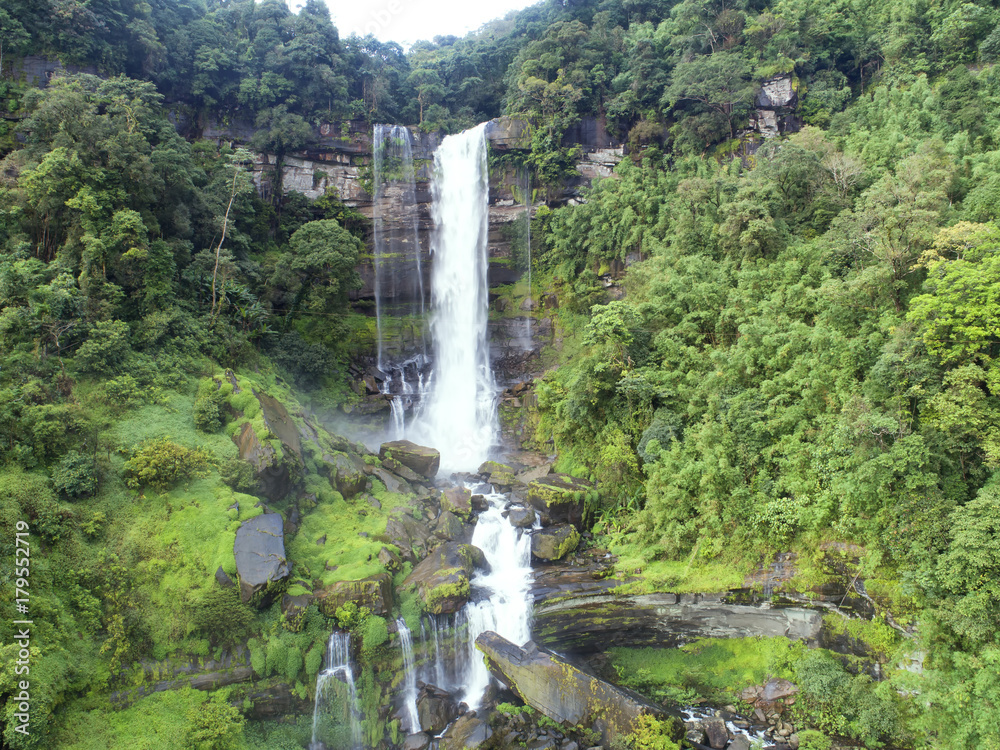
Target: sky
[{"x": 408, "y": 21}]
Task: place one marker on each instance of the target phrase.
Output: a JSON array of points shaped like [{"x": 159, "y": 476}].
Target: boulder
[
  {"x": 521, "y": 518},
  {"x": 497, "y": 473},
  {"x": 392, "y": 482},
  {"x": 294, "y": 609},
  {"x": 436, "y": 709},
  {"x": 530, "y": 475},
  {"x": 401, "y": 470},
  {"x": 740, "y": 742},
  {"x": 442, "y": 578},
  {"x": 277, "y": 470},
  {"x": 715, "y": 731},
  {"x": 562, "y": 691},
  {"x": 424, "y": 461},
  {"x": 260, "y": 557},
  {"x": 390, "y": 560},
  {"x": 418, "y": 741},
  {"x": 450, "y": 528},
  {"x": 555, "y": 542},
  {"x": 346, "y": 472},
  {"x": 457, "y": 500},
  {"x": 776, "y": 689},
  {"x": 408, "y": 534},
  {"x": 223, "y": 579},
  {"x": 560, "y": 498},
  {"x": 467, "y": 731},
  {"x": 374, "y": 592}
]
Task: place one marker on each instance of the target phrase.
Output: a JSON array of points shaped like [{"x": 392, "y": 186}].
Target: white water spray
[
  {"x": 506, "y": 608},
  {"x": 409, "y": 678},
  {"x": 459, "y": 418},
  {"x": 337, "y": 672}
]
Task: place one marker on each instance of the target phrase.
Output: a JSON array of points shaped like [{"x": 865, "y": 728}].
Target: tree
[
  {"x": 720, "y": 82},
  {"x": 241, "y": 185}
]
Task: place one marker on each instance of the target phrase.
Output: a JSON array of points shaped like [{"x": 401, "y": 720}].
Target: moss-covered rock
[
  {"x": 346, "y": 472},
  {"x": 554, "y": 543},
  {"x": 421, "y": 459},
  {"x": 457, "y": 500},
  {"x": 374, "y": 592},
  {"x": 449, "y": 527},
  {"x": 442, "y": 579},
  {"x": 408, "y": 534},
  {"x": 560, "y": 498}
]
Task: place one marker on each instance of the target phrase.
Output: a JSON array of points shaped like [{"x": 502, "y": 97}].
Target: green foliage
[
  {"x": 374, "y": 633},
  {"x": 75, "y": 475},
  {"x": 222, "y": 617},
  {"x": 214, "y": 725},
  {"x": 159, "y": 463},
  {"x": 651, "y": 733}
]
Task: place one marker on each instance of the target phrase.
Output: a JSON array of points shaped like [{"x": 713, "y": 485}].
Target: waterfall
[
  {"x": 504, "y": 606},
  {"x": 460, "y": 415},
  {"x": 410, "y": 678},
  {"x": 329, "y": 716},
  {"x": 399, "y": 279}
]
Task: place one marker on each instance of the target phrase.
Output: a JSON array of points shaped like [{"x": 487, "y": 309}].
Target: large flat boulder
[
  {"x": 561, "y": 690},
  {"x": 442, "y": 578},
  {"x": 260, "y": 557},
  {"x": 374, "y": 592},
  {"x": 421, "y": 459},
  {"x": 560, "y": 498}
]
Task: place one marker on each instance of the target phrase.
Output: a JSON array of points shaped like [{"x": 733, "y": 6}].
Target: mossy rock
[
  {"x": 408, "y": 535},
  {"x": 554, "y": 543},
  {"x": 421, "y": 459},
  {"x": 457, "y": 500},
  {"x": 374, "y": 592},
  {"x": 442, "y": 580},
  {"x": 347, "y": 472},
  {"x": 560, "y": 498},
  {"x": 450, "y": 528},
  {"x": 490, "y": 467}
]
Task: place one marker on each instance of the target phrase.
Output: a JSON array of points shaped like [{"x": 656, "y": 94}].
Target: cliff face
[{"x": 342, "y": 157}]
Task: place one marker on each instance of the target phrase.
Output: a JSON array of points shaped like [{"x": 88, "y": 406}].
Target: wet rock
[
  {"x": 776, "y": 689},
  {"x": 740, "y": 742},
  {"x": 521, "y": 518},
  {"x": 560, "y": 690},
  {"x": 260, "y": 557},
  {"x": 531, "y": 475},
  {"x": 479, "y": 503},
  {"x": 374, "y": 592},
  {"x": 223, "y": 579},
  {"x": 467, "y": 731},
  {"x": 409, "y": 535},
  {"x": 392, "y": 482},
  {"x": 442, "y": 578},
  {"x": 450, "y": 528},
  {"x": 402, "y": 470},
  {"x": 347, "y": 472},
  {"x": 555, "y": 542},
  {"x": 560, "y": 498},
  {"x": 457, "y": 500},
  {"x": 390, "y": 560},
  {"x": 436, "y": 709},
  {"x": 715, "y": 731},
  {"x": 695, "y": 734},
  {"x": 497, "y": 474},
  {"x": 421, "y": 459},
  {"x": 418, "y": 741}
]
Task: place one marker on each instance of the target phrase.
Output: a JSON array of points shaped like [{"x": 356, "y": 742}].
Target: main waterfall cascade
[{"x": 454, "y": 404}]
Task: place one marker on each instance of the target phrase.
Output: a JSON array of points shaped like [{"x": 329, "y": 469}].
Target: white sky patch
[{"x": 409, "y": 21}]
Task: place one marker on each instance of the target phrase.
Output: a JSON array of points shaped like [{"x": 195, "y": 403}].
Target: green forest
[{"x": 806, "y": 354}]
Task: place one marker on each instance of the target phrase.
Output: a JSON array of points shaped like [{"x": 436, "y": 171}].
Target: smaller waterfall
[
  {"x": 338, "y": 665},
  {"x": 410, "y": 678},
  {"x": 527, "y": 210},
  {"x": 505, "y": 606}
]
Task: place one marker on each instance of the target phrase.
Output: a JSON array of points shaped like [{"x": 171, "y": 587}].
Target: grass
[
  {"x": 157, "y": 722},
  {"x": 713, "y": 669}
]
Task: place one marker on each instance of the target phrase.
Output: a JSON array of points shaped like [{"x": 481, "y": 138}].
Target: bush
[
  {"x": 124, "y": 391},
  {"x": 239, "y": 475},
  {"x": 208, "y": 411},
  {"x": 160, "y": 462},
  {"x": 374, "y": 632},
  {"x": 74, "y": 475},
  {"x": 222, "y": 616},
  {"x": 105, "y": 349},
  {"x": 215, "y": 725}
]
